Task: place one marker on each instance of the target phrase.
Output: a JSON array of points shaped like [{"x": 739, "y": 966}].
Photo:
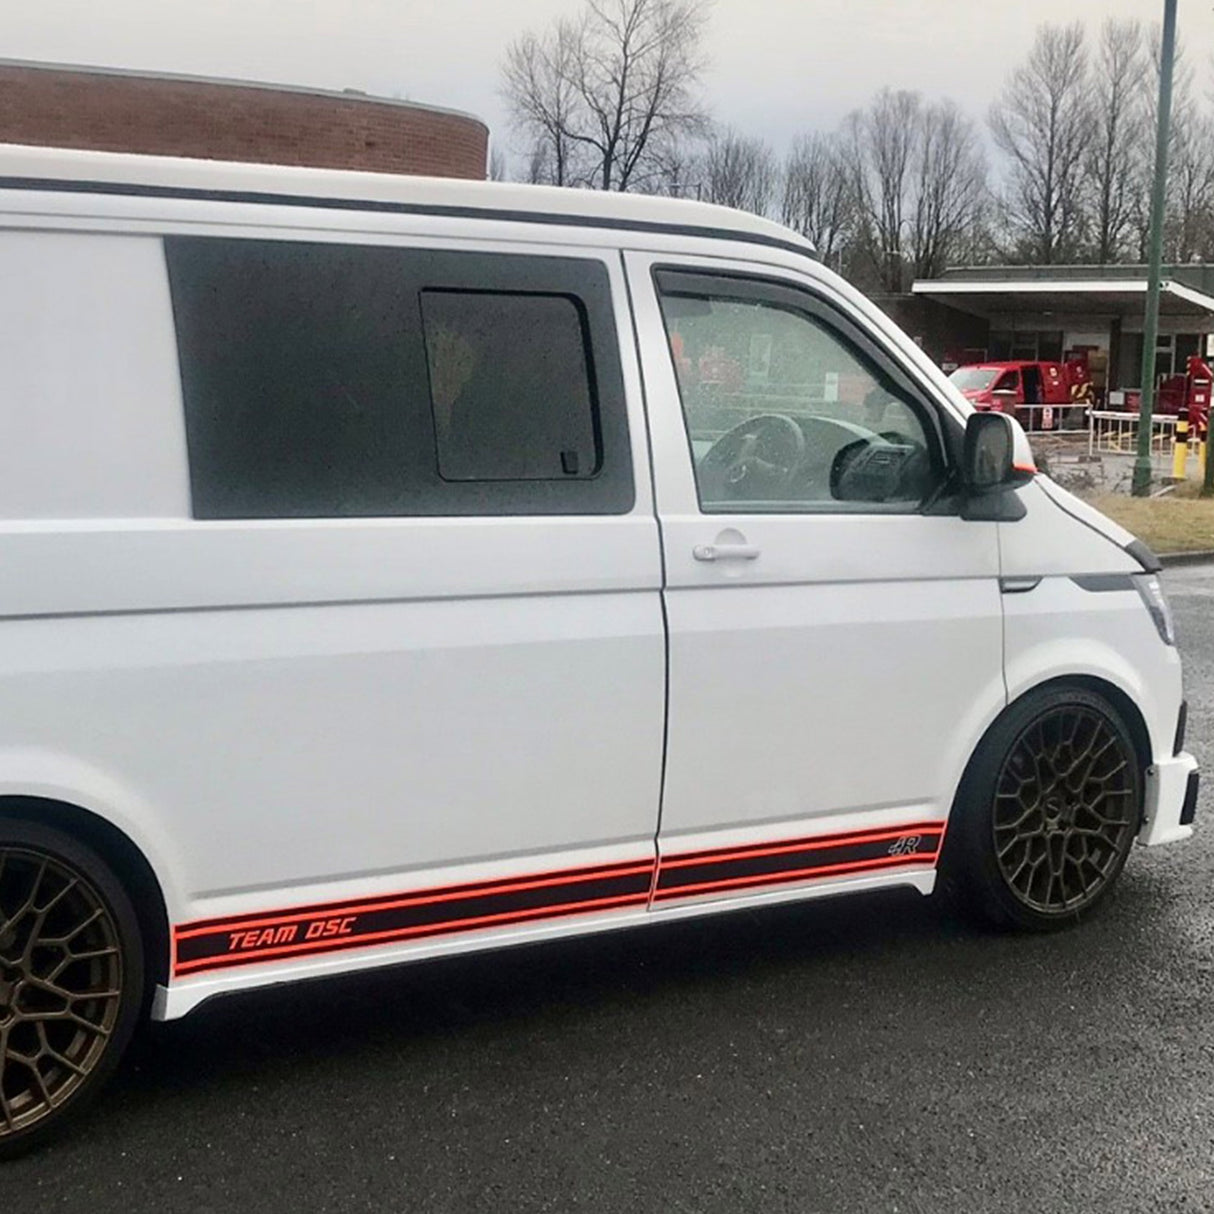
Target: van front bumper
[{"x": 1171, "y": 800}]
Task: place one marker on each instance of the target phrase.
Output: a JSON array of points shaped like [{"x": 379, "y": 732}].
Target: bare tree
[
  {"x": 602, "y": 97},
  {"x": 818, "y": 200},
  {"x": 948, "y": 188},
  {"x": 739, "y": 171},
  {"x": 1187, "y": 187},
  {"x": 881, "y": 144},
  {"x": 1190, "y": 213},
  {"x": 678, "y": 170},
  {"x": 1182, "y": 102},
  {"x": 918, "y": 181},
  {"x": 977, "y": 244},
  {"x": 499, "y": 169},
  {"x": 539, "y": 86},
  {"x": 1043, "y": 122},
  {"x": 1119, "y": 128}
]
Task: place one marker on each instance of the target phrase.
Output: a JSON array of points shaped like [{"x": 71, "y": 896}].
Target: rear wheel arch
[{"x": 124, "y": 857}]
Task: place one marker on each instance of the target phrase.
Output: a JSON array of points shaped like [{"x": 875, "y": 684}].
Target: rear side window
[
  {"x": 509, "y": 386},
  {"x": 325, "y": 380}
]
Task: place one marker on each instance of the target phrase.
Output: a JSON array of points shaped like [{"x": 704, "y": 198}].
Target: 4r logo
[{"x": 906, "y": 846}]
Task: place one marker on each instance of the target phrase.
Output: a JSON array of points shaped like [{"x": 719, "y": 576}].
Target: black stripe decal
[
  {"x": 469, "y": 888},
  {"x": 302, "y": 932},
  {"x": 280, "y": 937},
  {"x": 681, "y": 877},
  {"x": 1144, "y": 556},
  {"x": 382, "y": 206},
  {"x": 1103, "y": 583}
]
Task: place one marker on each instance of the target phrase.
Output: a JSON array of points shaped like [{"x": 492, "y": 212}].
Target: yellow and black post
[{"x": 1180, "y": 448}]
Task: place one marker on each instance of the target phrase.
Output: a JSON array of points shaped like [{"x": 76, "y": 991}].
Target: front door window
[{"x": 785, "y": 414}]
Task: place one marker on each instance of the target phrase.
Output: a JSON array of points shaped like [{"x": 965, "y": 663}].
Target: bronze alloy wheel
[
  {"x": 1047, "y": 812},
  {"x": 66, "y": 946},
  {"x": 1065, "y": 809}
]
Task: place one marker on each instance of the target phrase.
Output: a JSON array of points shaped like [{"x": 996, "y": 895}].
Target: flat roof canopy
[{"x": 1109, "y": 297}]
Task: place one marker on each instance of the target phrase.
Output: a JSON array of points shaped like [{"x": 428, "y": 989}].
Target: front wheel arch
[
  {"x": 962, "y": 859},
  {"x": 1129, "y": 712}
]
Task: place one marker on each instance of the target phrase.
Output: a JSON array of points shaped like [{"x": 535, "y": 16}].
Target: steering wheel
[
  {"x": 890, "y": 469},
  {"x": 753, "y": 461}
]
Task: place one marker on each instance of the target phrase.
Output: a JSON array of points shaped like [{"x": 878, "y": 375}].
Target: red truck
[
  {"x": 1039, "y": 395},
  {"x": 1186, "y": 395}
]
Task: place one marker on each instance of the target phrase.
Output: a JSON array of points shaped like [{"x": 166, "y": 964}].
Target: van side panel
[
  {"x": 85, "y": 394},
  {"x": 292, "y": 712},
  {"x": 301, "y": 746}
]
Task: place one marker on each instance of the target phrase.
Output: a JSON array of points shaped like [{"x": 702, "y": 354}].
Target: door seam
[
  {"x": 1002, "y": 616},
  {"x": 653, "y": 488}
]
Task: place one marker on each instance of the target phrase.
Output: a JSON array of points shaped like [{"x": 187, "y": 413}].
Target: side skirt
[{"x": 217, "y": 956}]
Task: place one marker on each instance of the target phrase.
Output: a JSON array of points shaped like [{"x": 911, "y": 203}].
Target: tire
[
  {"x": 72, "y": 979},
  {"x": 1046, "y": 813}
]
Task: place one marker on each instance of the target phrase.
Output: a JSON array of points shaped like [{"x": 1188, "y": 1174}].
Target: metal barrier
[
  {"x": 1054, "y": 419},
  {"x": 1114, "y": 432}
]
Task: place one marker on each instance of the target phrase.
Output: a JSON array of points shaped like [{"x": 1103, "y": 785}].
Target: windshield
[{"x": 973, "y": 379}]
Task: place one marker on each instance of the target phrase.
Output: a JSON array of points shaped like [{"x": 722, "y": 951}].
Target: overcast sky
[{"x": 777, "y": 66}]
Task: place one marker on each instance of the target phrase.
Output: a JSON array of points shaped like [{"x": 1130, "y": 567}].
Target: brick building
[{"x": 120, "y": 111}]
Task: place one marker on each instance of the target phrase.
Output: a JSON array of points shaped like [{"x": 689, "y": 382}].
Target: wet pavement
[{"x": 874, "y": 1054}]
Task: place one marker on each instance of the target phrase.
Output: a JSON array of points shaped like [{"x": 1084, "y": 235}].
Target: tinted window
[
  {"x": 324, "y": 380},
  {"x": 509, "y": 386},
  {"x": 784, "y": 411}
]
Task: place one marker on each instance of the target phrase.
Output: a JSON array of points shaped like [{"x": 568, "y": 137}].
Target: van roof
[{"x": 80, "y": 171}]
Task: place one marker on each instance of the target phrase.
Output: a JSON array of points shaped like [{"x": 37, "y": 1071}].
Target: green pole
[{"x": 1141, "y": 483}]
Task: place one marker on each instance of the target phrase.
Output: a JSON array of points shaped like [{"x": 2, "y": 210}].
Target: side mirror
[{"x": 996, "y": 455}]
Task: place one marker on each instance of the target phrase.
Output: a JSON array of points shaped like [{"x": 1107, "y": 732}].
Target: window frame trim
[
  {"x": 584, "y": 277},
  {"x": 941, "y": 427}
]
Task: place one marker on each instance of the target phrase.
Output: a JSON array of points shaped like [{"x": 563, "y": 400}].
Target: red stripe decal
[
  {"x": 812, "y": 844},
  {"x": 426, "y": 898},
  {"x": 503, "y": 919},
  {"x": 798, "y": 874},
  {"x": 213, "y": 944},
  {"x": 437, "y": 892}
]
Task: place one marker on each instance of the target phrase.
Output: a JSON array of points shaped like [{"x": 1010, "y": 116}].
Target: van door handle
[{"x": 725, "y": 552}]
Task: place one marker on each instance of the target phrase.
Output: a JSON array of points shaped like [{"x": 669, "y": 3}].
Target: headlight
[{"x": 1150, "y": 590}]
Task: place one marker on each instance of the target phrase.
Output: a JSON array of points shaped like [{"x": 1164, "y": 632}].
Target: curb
[{"x": 1201, "y": 557}]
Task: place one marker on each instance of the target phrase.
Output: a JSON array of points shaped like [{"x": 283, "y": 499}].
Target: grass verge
[{"x": 1166, "y": 524}]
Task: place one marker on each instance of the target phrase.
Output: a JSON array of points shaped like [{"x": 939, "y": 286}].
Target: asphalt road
[{"x": 868, "y": 1055}]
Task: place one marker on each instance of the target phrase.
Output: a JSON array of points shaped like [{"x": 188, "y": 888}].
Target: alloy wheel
[
  {"x": 61, "y": 985},
  {"x": 1065, "y": 809}
]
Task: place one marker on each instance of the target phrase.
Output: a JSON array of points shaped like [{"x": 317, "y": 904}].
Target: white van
[{"x": 392, "y": 568}]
